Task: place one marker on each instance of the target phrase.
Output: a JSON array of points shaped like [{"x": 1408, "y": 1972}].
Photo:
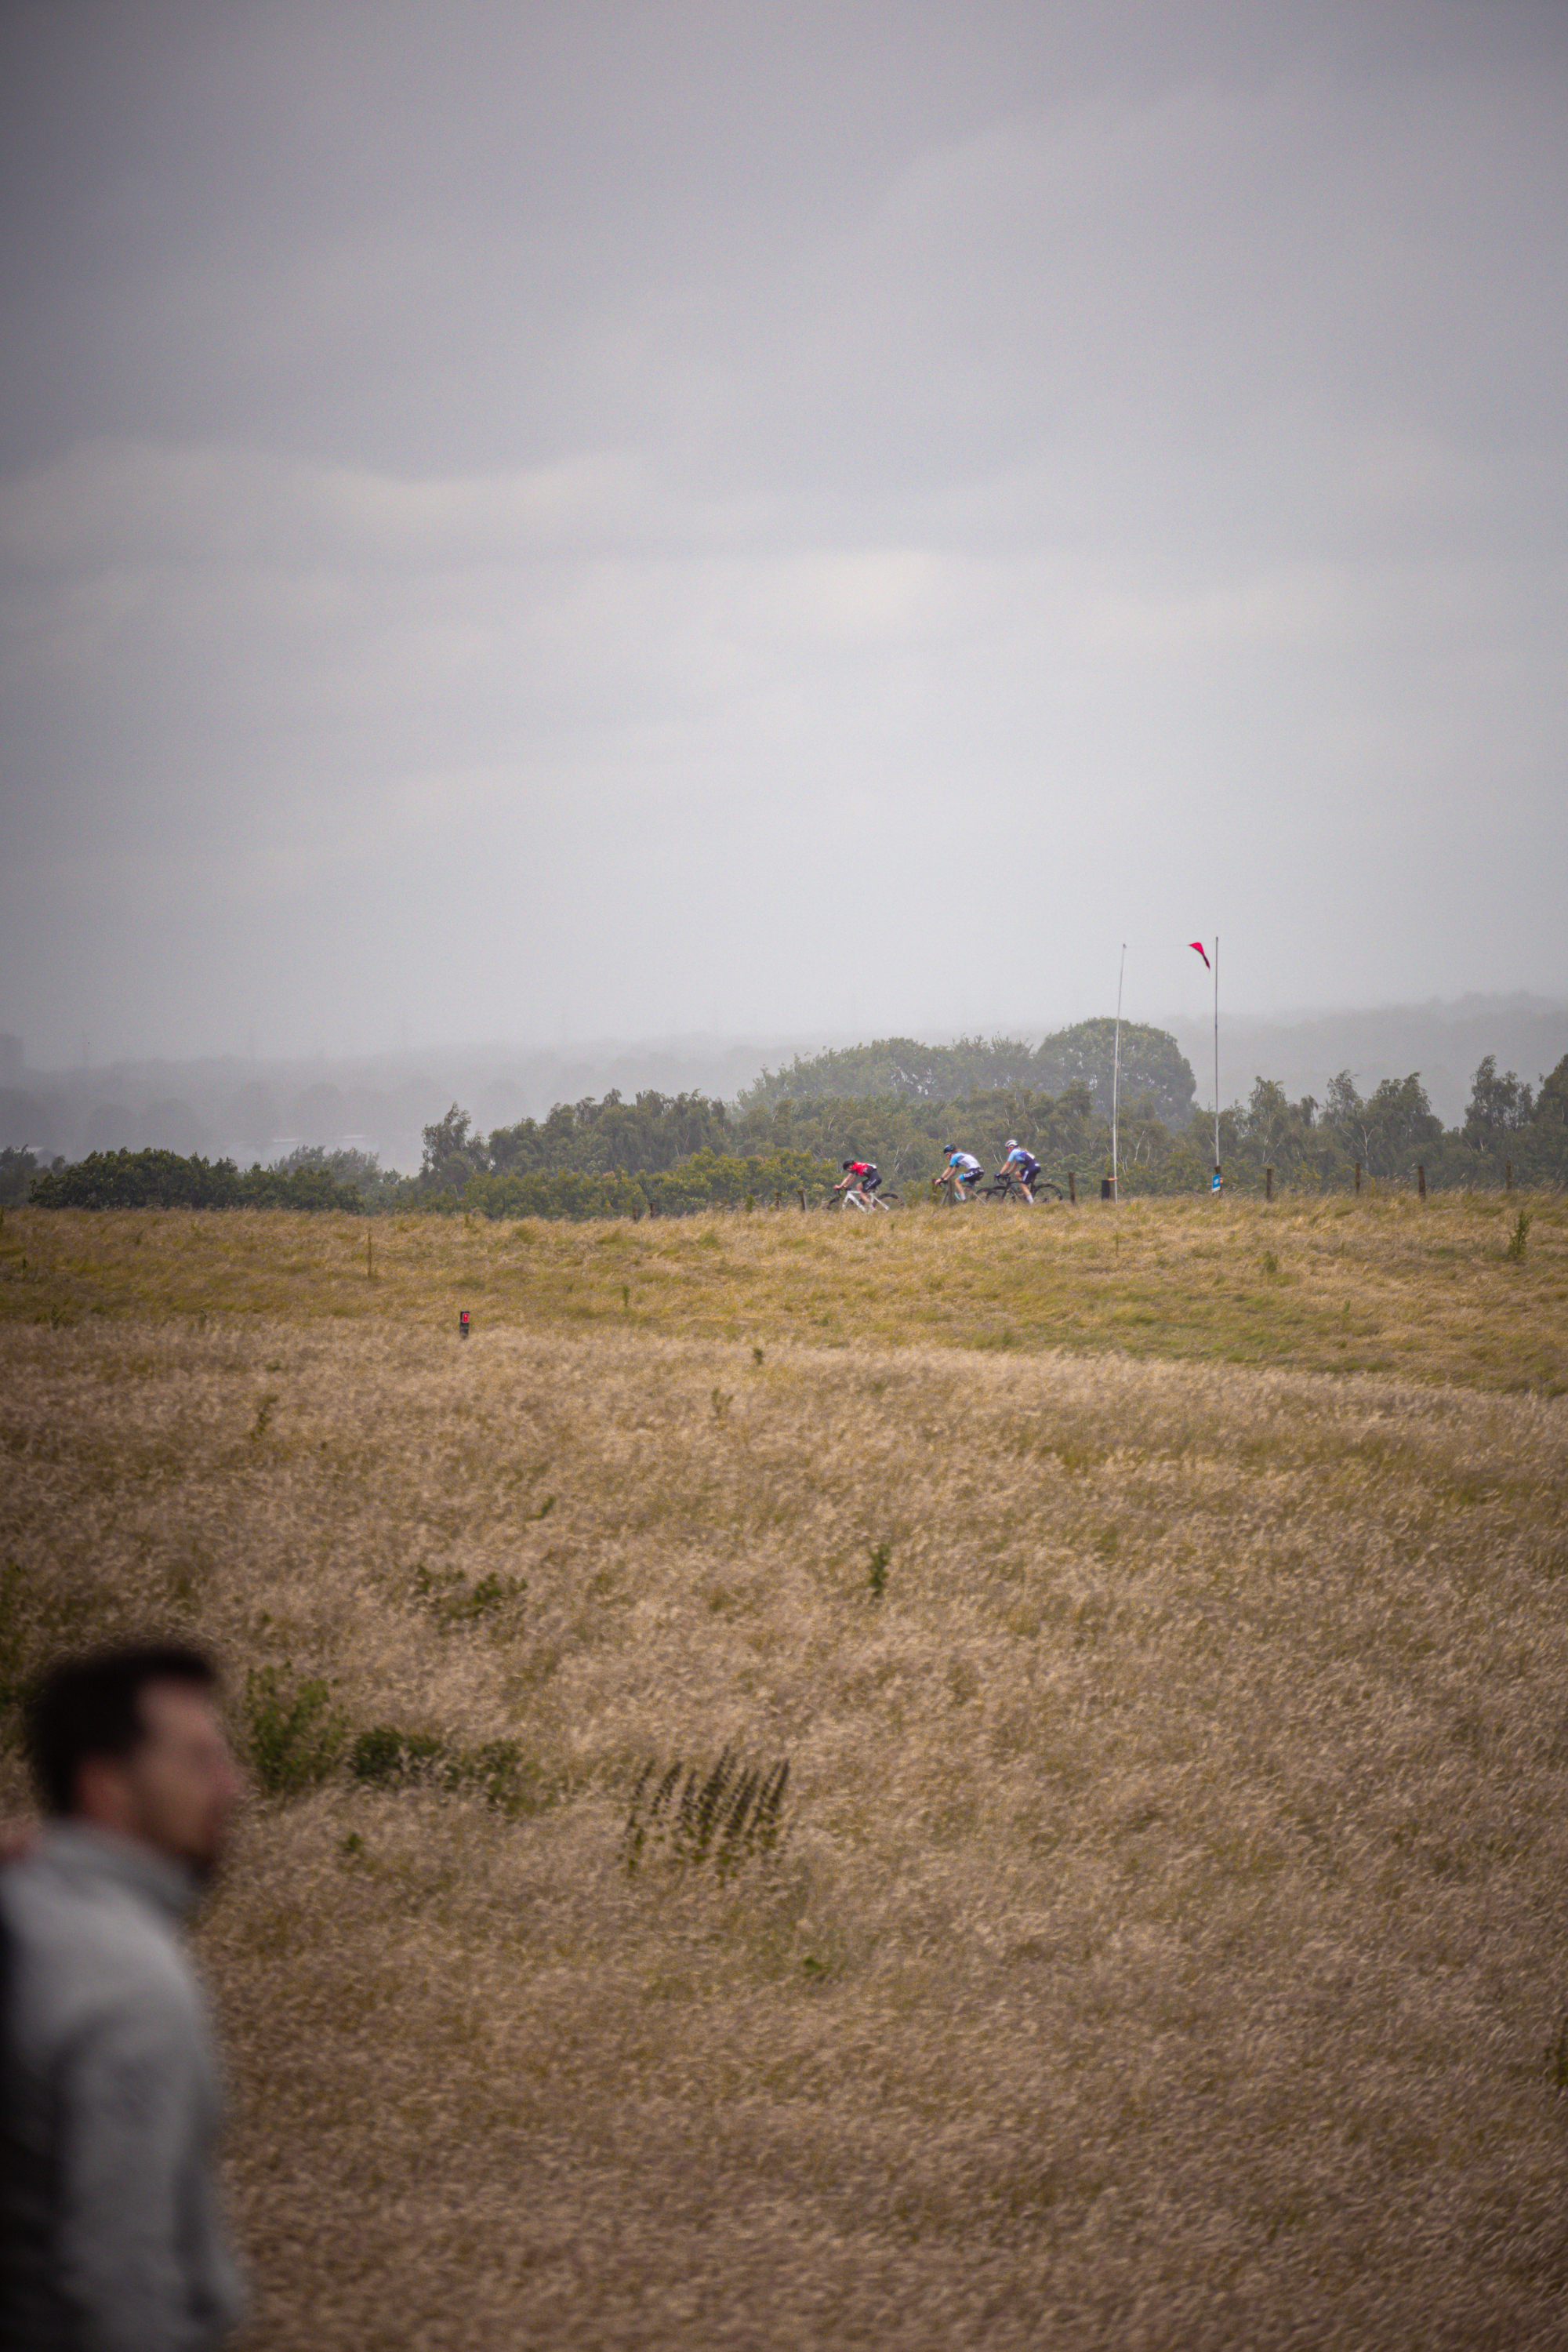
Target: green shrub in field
[
  {"x": 729, "y": 1815},
  {"x": 455, "y": 1599},
  {"x": 295, "y": 1734},
  {"x": 385, "y": 1757}
]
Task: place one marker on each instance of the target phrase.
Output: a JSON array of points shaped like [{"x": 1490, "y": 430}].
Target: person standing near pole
[{"x": 110, "y": 2238}]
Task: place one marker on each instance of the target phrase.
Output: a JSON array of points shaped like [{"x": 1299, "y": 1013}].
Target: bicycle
[
  {"x": 955, "y": 1186},
  {"x": 1008, "y": 1185},
  {"x": 865, "y": 1202}
]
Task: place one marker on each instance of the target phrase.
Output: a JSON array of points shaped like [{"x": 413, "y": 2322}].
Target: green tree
[
  {"x": 1552, "y": 1102},
  {"x": 377, "y": 1187},
  {"x": 17, "y": 1170},
  {"x": 1498, "y": 1108},
  {"x": 599, "y": 1138},
  {"x": 1152, "y": 1066},
  {"x": 1400, "y": 1125},
  {"x": 453, "y": 1154},
  {"x": 903, "y": 1069},
  {"x": 1286, "y": 1136},
  {"x": 1272, "y": 1126},
  {"x": 1344, "y": 1118}
]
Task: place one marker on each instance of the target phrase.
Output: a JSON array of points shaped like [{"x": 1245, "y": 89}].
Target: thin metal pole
[
  {"x": 1216, "y": 1049},
  {"x": 1116, "y": 1072}
]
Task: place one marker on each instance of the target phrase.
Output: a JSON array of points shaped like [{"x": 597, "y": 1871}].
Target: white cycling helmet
[{"x": 1012, "y": 1143}]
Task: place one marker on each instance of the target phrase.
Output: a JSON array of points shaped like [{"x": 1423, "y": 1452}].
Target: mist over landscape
[
  {"x": 631, "y": 525},
  {"x": 247, "y": 1110}
]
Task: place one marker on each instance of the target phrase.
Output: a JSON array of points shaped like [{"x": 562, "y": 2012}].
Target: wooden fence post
[
  {"x": 803, "y": 1200},
  {"x": 1507, "y": 1175},
  {"x": 1268, "y": 1183},
  {"x": 1357, "y": 1176},
  {"x": 1072, "y": 1187},
  {"x": 1421, "y": 1181}
]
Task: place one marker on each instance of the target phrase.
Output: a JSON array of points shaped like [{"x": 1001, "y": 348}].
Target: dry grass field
[{"x": 1164, "y": 1612}]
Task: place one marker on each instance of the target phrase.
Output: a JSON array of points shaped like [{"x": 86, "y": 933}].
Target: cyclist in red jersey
[{"x": 861, "y": 1176}]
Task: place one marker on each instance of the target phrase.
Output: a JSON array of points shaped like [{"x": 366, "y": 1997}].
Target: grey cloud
[{"x": 759, "y": 494}]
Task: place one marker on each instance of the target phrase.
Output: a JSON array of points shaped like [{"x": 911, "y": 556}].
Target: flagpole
[
  {"x": 1116, "y": 1072},
  {"x": 1217, "y": 1053}
]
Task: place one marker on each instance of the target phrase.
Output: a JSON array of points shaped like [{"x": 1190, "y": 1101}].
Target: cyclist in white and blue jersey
[{"x": 963, "y": 1168}]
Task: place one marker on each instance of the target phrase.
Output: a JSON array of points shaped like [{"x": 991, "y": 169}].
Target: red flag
[{"x": 1197, "y": 947}]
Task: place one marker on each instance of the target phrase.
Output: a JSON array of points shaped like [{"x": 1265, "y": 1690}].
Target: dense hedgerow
[
  {"x": 707, "y": 1180},
  {"x": 675, "y": 1155},
  {"x": 165, "y": 1179}
]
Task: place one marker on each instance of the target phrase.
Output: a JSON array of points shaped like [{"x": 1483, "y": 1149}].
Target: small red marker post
[{"x": 463, "y": 1323}]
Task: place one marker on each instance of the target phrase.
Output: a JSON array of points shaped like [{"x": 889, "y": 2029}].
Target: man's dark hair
[{"x": 92, "y": 1706}]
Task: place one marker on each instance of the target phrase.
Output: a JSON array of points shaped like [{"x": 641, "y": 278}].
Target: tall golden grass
[
  {"x": 1332, "y": 1283},
  {"x": 1168, "y": 1944}
]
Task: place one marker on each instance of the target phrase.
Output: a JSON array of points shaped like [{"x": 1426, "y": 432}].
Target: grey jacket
[{"x": 110, "y": 2231}]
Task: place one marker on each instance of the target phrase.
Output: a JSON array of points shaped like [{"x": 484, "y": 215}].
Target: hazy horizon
[
  {"x": 243, "y": 1109},
  {"x": 610, "y": 525},
  {"x": 1239, "y": 1024}
]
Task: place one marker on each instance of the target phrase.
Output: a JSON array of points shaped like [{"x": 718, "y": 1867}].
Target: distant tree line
[
  {"x": 669, "y": 1154},
  {"x": 166, "y": 1180},
  {"x": 1393, "y": 1131},
  {"x": 666, "y": 1152}
]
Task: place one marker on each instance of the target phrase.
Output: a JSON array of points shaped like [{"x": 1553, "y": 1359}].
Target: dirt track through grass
[{"x": 1168, "y": 1946}]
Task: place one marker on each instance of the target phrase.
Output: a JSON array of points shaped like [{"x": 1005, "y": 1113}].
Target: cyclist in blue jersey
[
  {"x": 963, "y": 1171},
  {"x": 1023, "y": 1166}
]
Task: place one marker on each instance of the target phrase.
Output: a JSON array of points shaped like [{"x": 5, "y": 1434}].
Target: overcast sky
[{"x": 576, "y": 520}]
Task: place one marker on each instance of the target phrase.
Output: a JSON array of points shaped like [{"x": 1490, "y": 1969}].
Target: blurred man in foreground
[{"x": 110, "y": 2239}]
